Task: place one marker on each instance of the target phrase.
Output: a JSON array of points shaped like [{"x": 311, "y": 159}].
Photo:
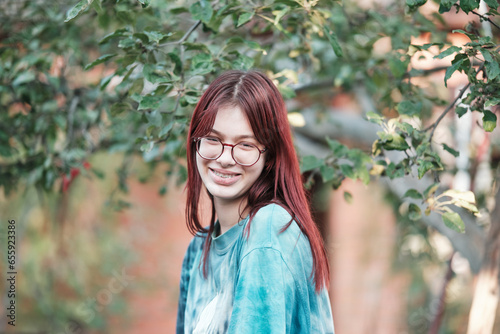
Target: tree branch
[
  {"x": 486, "y": 19},
  {"x": 447, "y": 110},
  {"x": 186, "y": 35}
]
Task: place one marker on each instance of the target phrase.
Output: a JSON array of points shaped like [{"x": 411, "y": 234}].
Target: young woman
[{"x": 260, "y": 266}]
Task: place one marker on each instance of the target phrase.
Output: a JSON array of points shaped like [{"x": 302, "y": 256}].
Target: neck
[{"x": 229, "y": 213}]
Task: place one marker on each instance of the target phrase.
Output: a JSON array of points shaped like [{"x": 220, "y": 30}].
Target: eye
[
  {"x": 246, "y": 145},
  {"x": 211, "y": 139}
]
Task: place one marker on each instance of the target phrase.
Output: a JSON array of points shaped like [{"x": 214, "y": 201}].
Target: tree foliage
[
  {"x": 148, "y": 61},
  {"x": 124, "y": 76}
]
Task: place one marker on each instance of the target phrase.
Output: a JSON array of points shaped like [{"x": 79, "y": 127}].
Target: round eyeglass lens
[
  {"x": 246, "y": 154},
  {"x": 210, "y": 148}
]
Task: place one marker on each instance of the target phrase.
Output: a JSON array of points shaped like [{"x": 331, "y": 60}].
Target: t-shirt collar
[{"x": 223, "y": 242}]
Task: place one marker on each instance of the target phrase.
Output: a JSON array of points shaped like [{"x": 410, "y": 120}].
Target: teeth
[{"x": 224, "y": 176}]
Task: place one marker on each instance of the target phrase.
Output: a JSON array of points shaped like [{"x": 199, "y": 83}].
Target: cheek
[{"x": 258, "y": 169}]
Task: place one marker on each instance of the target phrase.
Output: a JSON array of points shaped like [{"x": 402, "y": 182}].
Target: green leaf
[
  {"x": 243, "y": 62},
  {"x": 117, "y": 33},
  {"x": 179, "y": 10},
  {"x": 286, "y": 91},
  {"x": 492, "y": 3},
  {"x": 244, "y": 18},
  {"x": 120, "y": 107},
  {"x": 154, "y": 118},
  {"x": 105, "y": 81},
  {"x": 156, "y": 36},
  {"x": 202, "y": 64},
  {"x": 77, "y": 9},
  {"x": 467, "y": 205},
  {"x": 162, "y": 191},
  {"x": 193, "y": 100},
  {"x": 202, "y": 10},
  {"x": 397, "y": 66},
  {"x": 489, "y": 120},
  {"x": 445, "y": 5},
  {"x": 469, "y": 5},
  {"x": 395, "y": 142},
  {"x": 492, "y": 70},
  {"x": 423, "y": 167},
  {"x": 157, "y": 74},
  {"x": 149, "y": 102},
  {"x": 413, "y": 193},
  {"x": 310, "y": 162},
  {"x": 409, "y": 108},
  {"x": 147, "y": 147},
  {"x": 492, "y": 102},
  {"x": 415, "y": 3},
  {"x": 472, "y": 37},
  {"x": 327, "y": 173},
  {"x": 348, "y": 197},
  {"x": 486, "y": 54},
  {"x": 431, "y": 190},
  {"x": 196, "y": 46},
  {"x": 428, "y": 45},
  {"x": 100, "y": 174},
  {"x": 453, "y": 221},
  {"x": 279, "y": 14},
  {"x": 177, "y": 61},
  {"x": 461, "y": 111},
  {"x": 166, "y": 129},
  {"x": 23, "y": 78},
  {"x": 348, "y": 171},
  {"x": 374, "y": 117},
  {"x": 455, "y": 65},
  {"x": 97, "y": 7},
  {"x": 334, "y": 42},
  {"x": 339, "y": 150},
  {"x": 99, "y": 60},
  {"x": 414, "y": 212},
  {"x": 450, "y": 150},
  {"x": 144, "y": 3},
  {"x": 448, "y": 52}
]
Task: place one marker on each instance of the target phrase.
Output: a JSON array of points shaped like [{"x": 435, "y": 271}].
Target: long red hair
[{"x": 280, "y": 181}]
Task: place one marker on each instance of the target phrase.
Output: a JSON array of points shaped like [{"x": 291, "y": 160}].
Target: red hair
[{"x": 280, "y": 181}]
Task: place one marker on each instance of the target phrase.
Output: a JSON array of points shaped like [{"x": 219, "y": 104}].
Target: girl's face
[{"x": 226, "y": 180}]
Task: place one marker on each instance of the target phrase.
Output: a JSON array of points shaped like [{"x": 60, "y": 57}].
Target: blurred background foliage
[{"x": 90, "y": 87}]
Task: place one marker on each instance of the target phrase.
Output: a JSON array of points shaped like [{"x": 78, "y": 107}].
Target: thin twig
[
  {"x": 447, "y": 110},
  {"x": 486, "y": 19},
  {"x": 186, "y": 35}
]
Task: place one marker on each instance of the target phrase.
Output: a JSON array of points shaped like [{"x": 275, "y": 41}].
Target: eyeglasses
[{"x": 244, "y": 153}]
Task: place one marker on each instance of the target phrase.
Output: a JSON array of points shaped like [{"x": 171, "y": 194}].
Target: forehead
[{"x": 231, "y": 121}]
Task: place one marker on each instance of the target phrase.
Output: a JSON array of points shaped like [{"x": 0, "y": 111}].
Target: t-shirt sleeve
[
  {"x": 259, "y": 297},
  {"x": 187, "y": 264}
]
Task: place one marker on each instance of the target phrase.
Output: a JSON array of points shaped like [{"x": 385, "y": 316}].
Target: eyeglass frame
[{"x": 197, "y": 139}]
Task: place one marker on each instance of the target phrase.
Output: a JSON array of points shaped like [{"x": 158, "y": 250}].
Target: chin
[{"x": 225, "y": 194}]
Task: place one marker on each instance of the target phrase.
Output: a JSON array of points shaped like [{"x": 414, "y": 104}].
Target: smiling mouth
[{"x": 222, "y": 175}]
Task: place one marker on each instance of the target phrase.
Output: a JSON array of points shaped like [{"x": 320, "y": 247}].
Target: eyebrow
[{"x": 237, "y": 138}]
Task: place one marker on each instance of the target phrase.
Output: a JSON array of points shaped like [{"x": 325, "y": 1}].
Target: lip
[{"x": 221, "y": 180}]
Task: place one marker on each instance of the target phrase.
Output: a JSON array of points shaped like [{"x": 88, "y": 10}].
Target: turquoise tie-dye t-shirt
[{"x": 259, "y": 284}]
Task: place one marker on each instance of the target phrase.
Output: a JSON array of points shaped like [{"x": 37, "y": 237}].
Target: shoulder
[{"x": 266, "y": 228}]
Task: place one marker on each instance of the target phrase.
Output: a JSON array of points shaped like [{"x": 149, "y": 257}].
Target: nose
[{"x": 226, "y": 159}]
